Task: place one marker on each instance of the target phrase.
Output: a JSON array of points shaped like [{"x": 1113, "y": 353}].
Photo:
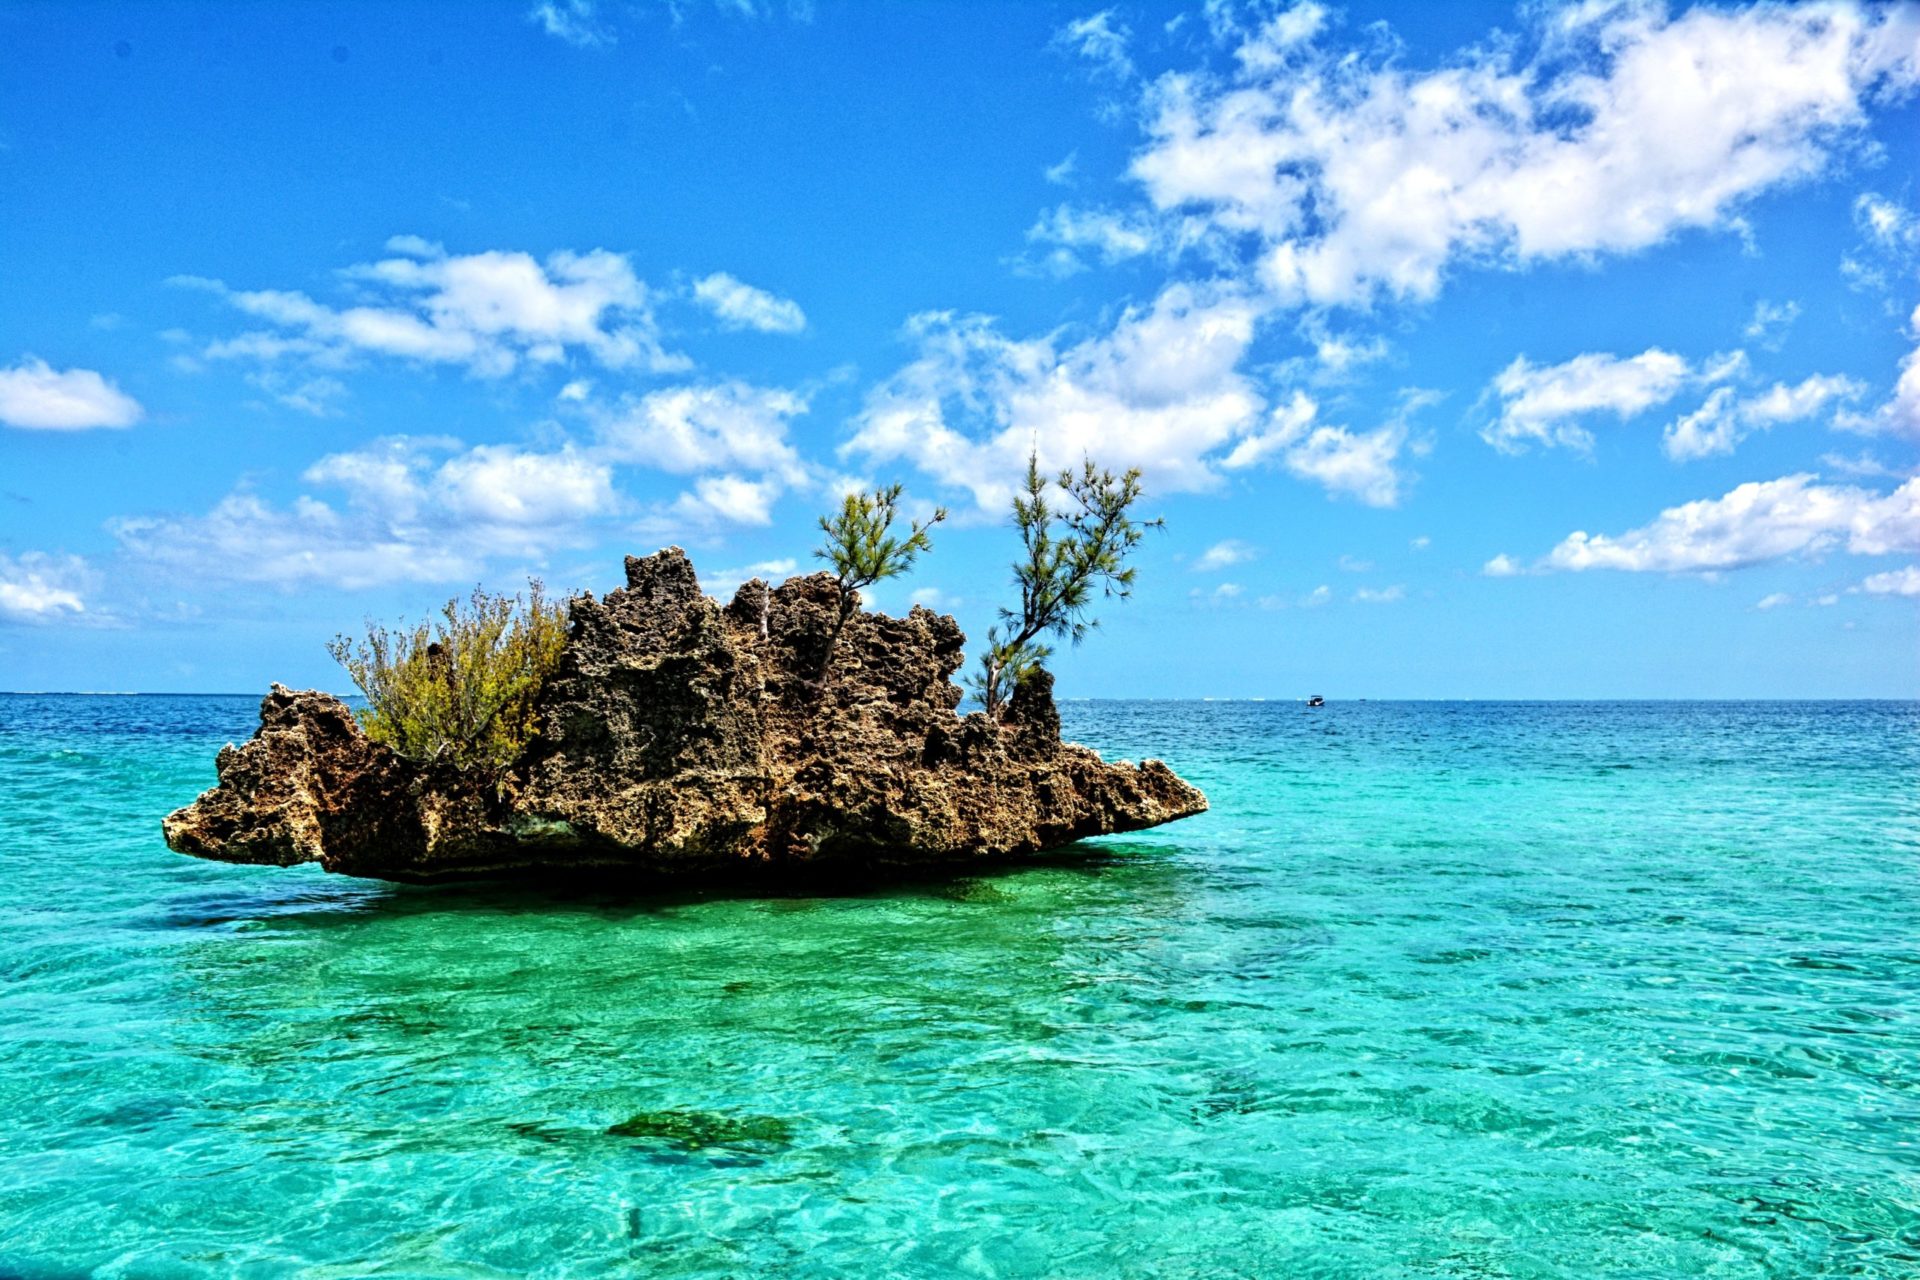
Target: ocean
[{"x": 1435, "y": 990}]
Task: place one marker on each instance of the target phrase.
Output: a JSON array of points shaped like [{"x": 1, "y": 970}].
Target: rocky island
[{"x": 777, "y": 735}]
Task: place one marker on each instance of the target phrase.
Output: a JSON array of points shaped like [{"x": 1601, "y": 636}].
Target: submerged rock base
[{"x": 683, "y": 738}]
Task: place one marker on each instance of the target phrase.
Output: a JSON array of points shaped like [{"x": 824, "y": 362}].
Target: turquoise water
[{"x": 1435, "y": 990}]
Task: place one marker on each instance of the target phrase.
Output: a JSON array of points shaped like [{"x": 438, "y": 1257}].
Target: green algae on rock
[{"x": 683, "y": 738}]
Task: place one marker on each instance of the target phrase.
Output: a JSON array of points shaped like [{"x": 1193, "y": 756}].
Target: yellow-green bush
[{"x": 460, "y": 688}]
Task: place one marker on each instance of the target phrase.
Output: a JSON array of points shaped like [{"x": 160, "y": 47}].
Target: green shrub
[{"x": 460, "y": 688}]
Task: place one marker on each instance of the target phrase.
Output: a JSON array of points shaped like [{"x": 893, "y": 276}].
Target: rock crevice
[{"x": 680, "y": 737}]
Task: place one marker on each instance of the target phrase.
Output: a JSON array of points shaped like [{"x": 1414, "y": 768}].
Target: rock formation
[{"x": 680, "y": 737}]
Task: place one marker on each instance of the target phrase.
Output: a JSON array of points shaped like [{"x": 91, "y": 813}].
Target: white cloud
[
  {"x": 1337, "y": 355},
  {"x": 1356, "y": 463},
  {"x": 722, "y": 429},
  {"x": 1718, "y": 425},
  {"x": 1420, "y": 543},
  {"x": 1894, "y": 582},
  {"x": 1276, "y": 42},
  {"x": 1316, "y": 597},
  {"x": 1753, "y": 524},
  {"x": 934, "y": 598},
  {"x": 489, "y": 312},
  {"x": 1061, "y": 174},
  {"x": 1354, "y": 176},
  {"x": 575, "y": 21},
  {"x": 37, "y": 587},
  {"x": 1890, "y": 226},
  {"x": 1113, "y": 236},
  {"x": 503, "y": 485},
  {"x": 1101, "y": 40},
  {"x": 1380, "y": 595},
  {"x": 729, "y": 499},
  {"x": 1862, "y": 464},
  {"x": 411, "y": 514},
  {"x": 38, "y": 397},
  {"x": 1502, "y": 566},
  {"x": 723, "y": 583},
  {"x": 1900, "y": 414},
  {"x": 711, "y": 427},
  {"x": 1360, "y": 464},
  {"x": 741, "y": 306},
  {"x": 1546, "y": 404},
  {"x": 1773, "y": 601},
  {"x": 1770, "y": 322},
  {"x": 1160, "y": 390},
  {"x": 1222, "y": 555}
]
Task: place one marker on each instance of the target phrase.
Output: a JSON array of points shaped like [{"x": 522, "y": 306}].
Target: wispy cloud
[
  {"x": 741, "y": 306},
  {"x": 577, "y": 22}
]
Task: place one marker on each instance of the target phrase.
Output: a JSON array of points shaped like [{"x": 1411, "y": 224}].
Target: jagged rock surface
[{"x": 682, "y": 737}]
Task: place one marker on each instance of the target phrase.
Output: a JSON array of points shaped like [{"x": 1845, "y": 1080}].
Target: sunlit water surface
[{"x": 1435, "y": 990}]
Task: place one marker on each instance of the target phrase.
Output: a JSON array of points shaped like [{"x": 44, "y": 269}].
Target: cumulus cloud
[
  {"x": 1380, "y": 595},
  {"x": 1502, "y": 566},
  {"x": 1727, "y": 418},
  {"x": 1891, "y": 226},
  {"x": 1610, "y": 129},
  {"x": 1895, "y": 582},
  {"x": 1900, "y": 413},
  {"x": 704, "y": 427},
  {"x": 1552, "y": 405},
  {"x": 1358, "y": 464},
  {"x": 490, "y": 313},
  {"x": 741, "y": 306},
  {"x": 1753, "y": 524},
  {"x": 1547, "y": 404},
  {"x": 38, "y": 397},
  {"x": 1773, "y": 601},
  {"x": 36, "y": 587},
  {"x": 735, "y": 433},
  {"x": 1222, "y": 555},
  {"x": 729, "y": 499},
  {"x": 409, "y": 512},
  {"x": 1161, "y": 389}
]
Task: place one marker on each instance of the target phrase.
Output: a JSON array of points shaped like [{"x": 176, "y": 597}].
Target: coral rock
[{"x": 680, "y": 737}]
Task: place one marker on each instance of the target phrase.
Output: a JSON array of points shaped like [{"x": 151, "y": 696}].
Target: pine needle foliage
[
  {"x": 862, "y": 549},
  {"x": 1075, "y": 553},
  {"x": 459, "y": 688}
]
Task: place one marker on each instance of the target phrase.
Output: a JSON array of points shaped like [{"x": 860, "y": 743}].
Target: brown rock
[{"x": 682, "y": 738}]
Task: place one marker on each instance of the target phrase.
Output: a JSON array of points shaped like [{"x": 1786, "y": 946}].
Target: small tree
[
  {"x": 1072, "y": 552},
  {"x": 461, "y": 688},
  {"x": 861, "y": 549}
]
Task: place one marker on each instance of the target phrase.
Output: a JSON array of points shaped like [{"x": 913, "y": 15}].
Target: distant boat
[{"x": 1316, "y": 701}]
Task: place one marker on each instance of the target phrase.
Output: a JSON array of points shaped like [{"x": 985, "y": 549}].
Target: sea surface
[{"x": 1435, "y": 990}]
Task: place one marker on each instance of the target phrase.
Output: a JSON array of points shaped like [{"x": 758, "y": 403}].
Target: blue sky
[{"x": 1469, "y": 351}]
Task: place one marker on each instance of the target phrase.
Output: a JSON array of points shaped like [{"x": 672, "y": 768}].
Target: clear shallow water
[{"x": 1436, "y": 990}]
